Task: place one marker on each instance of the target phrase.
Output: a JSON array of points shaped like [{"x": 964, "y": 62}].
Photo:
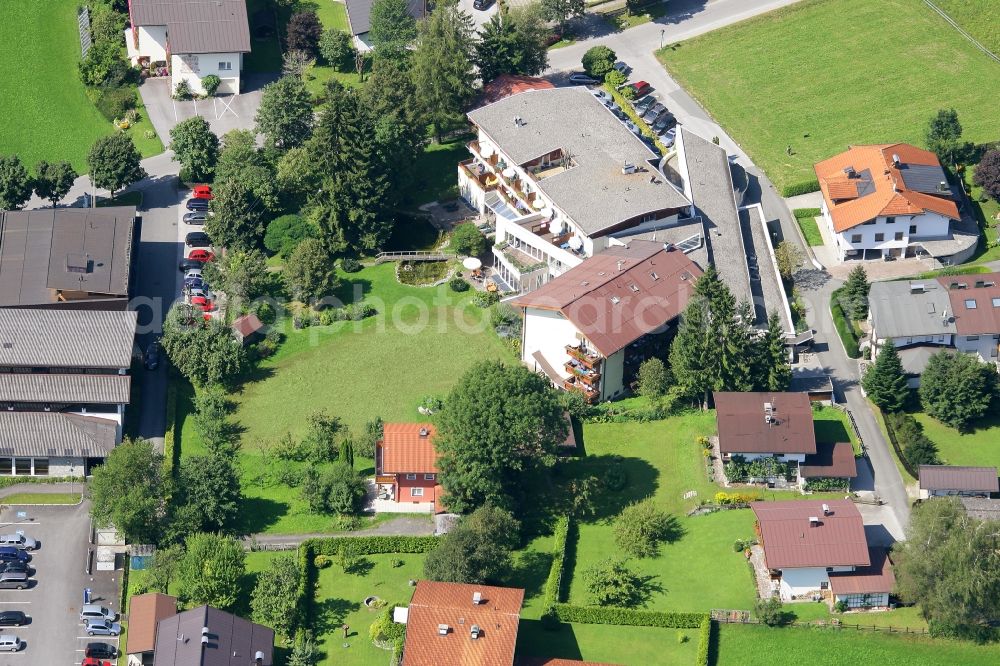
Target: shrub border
[
  {"x": 554, "y": 588},
  {"x": 843, "y": 325}
]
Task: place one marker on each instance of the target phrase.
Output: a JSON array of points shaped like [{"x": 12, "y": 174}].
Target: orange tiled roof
[
  {"x": 436, "y": 604},
  {"x": 888, "y": 193},
  {"x": 405, "y": 450}
]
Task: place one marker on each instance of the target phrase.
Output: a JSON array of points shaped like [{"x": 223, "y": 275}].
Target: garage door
[{"x": 230, "y": 86}]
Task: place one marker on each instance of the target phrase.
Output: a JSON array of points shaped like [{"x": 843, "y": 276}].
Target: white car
[
  {"x": 18, "y": 541},
  {"x": 668, "y": 137},
  {"x": 10, "y": 642}
]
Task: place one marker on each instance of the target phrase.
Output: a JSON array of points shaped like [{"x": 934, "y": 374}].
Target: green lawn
[
  {"x": 903, "y": 618},
  {"x": 629, "y": 646},
  {"x": 756, "y": 645},
  {"x": 45, "y": 112},
  {"x": 977, "y": 17},
  {"x": 820, "y": 75},
  {"x": 42, "y": 498},
  {"x": 340, "y": 599},
  {"x": 807, "y": 223},
  {"x": 832, "y": 425},
  {"x": 986, "y": 211},
  {"x": 981, "y": 446},
  {"x": 435, "y": 173}
]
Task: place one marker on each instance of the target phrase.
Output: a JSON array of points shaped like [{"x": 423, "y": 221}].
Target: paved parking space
[
  {"x": 223, "y": 113},
  {"x": 479, "y": 17},
  {"x": 54, "y": 634}
]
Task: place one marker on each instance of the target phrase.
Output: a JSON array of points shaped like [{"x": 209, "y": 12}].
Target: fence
[
  {"x": 899, "y": 452},
  {"x": 83, "y": 23},
  {"x": 961, "y": 31},
  {"x": 383, "y": 257},
  {"x": 744, "y": 617}
]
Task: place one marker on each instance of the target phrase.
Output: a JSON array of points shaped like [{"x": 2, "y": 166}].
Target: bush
[
  {"x": 735, "y": 499},
  {"x": 843, "y": 325},
  {"x": 485, "y": 299},
  {"x": 615, "y": 79},
  {"x": 804, "y": 187},
  {"x": 395, "y": 563},
  {"x": 350, "y": 265},
  {"x": 840, "y": 606},
  {"x": 611, "y": 583},
  {"x": 704, "y": 640},
  {"x": 598, "y": 61},
  {"x": 468, "y": 240},
  {"x": 769, "y": 611},
  {"x": 182, "y": 90},
  {"x": 627, "y": 617},
  {"x": 640, "y": 528},
  {"x": 554, "y": 583},
  {"x": 827, "y": 484},
  {"x": 211, "y": 84},
  {"x": 322, "y": 562},
  {"x": 372, "y": 545},
  {"x": 458, "y": 285},
  {"x": 115, "y": 103}
]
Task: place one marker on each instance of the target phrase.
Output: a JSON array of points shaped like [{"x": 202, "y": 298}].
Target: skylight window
[
  {"x": 634, "y": 288},
  {"x": 996, "y": 302},
  {"x": 653, "y": 275},
  {"x": 970, "y": 304},
  {"x": 615, "y": 300}
]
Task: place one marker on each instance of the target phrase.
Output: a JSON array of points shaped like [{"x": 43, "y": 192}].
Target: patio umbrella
[
  {"x": 538, "y": 204},
  {"x": 471, "y": 263},
  {"x": 509, "y": 172},
  {"x": 485, "y": 150},
  {"x": 576, "y": 242}
]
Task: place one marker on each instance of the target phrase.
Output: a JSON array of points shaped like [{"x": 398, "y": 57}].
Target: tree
[
  {"x": 499, "y": 423},
  {"x": 598, "y": 61},
  {"x": 561, "y": 11},
  {"x": 285, "y": 233},
  {"x": 346, "y": 453},
  {"x": 653, "y": 378},
  {"x": 53, "y": 180},
  {"x": 957, "y": 389},
  {"x": 304, "y": 651},
  {"x": 611, "y": 583},
  {"x": 775, "y": 372},
  {"x": 212, "y": 409},
  {"x": 127, "y": 491},
  {"x": 943, "y": 134},
  {"x": 241, "y": 160},
  {"x": 392, "y": 27},
  {"x": 163, "y": 570},
  {"x": 303, "y": 32},
  {"x": 114, "y": 162},
  {"x": 273, "y": 600},
  {"x": 15, "y": 183},
  {"x": 210, "y": 489},
  {"x": 949, "y": 564},
  {"x": 769, "y": 611},
  {"x": 854, "y": 299},
  {"x": 309, "y": 271},
  {"x": 987, "y": 174},
  {"x": 238, "y": 223},
  {"x": 477, "y": 550},
  {"x": 337, "y": 489},
  {"x": 105, "y": 65},
  {"x": 640, "y": 528},
  {"x": 443, "y": 71},
  {"x": 512, "y": 42},
  {"x": 466, "y": 239},
  {"x": 884, "y": 382},
  {"x": 211, "y": 570},
  {"x": 789, "y": 258},
  {"x": 285, "y": 114},
  {"x": 204, "y": 352},
  {"x": 242, "y": 274},
  {"x": 196, "y": 147},
  {"x": 337, "y": 49}
]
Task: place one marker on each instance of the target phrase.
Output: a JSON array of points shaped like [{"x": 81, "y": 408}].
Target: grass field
[
  {"x": 806, "y": 217},
  {"x": 986, "y": 211},
  {"x": 44, "y": 111},
  {"x": 832, "y": 426},
  {"x": 756, "y": 645},
  {"x": 977, "y": 17},
  {"x": 819, "y": 75},
  {"x": 41, "y": 498},
  {"x": 981, "y": 446},
  {"x": 630, "y": 646}
]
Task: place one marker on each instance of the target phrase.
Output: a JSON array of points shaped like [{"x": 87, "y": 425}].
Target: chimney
[
  {"x": 477, "y": 598},
  {"x": 769, "y": 411},
  {"x": 424, "y": 433},
  {"x": 895, "y": 160},
  {"x": 620, "y": 264},
  {"x": 258, "y": 658},
  {"x": 826, "y": 509},
  {"x": 813, "y": 521},
  {"x": 474, "y": 631},
  {"x": 204, "y": 640},
  {"x": 443, "y": 630},
  {"x": 204, "y": 631},
  {"x": 849, "y": 172}
]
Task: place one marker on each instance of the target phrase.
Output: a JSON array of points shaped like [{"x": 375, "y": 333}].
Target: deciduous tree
[
  {"x": 957, "y": 389},
  {"x": 789, "y": 258},
  {"x": 285, "y": 233},
  {"x": 641, "y": 527},
  {"x": 653, "y": 378},
  {"x": 303, "y": 32},
  {"x": 467, "y": 239},
  {"x": 204, "y": 352},
  {"x": 127, "y": 491},
  {"x": 477, "y": 550},
  {"x": 987, "y": 174},
  {"x": 285, "y": 115},
  {"x": 337, "y": 49},
  {"x": 884, "y": 382},
  {"x": 598, "y": 61},
  {"x": 53, "y": 180},
  {"x": 241, "y": 159},
  {"x": 238, "y": 223},
  {"x": 561, "y": 11},
  {"x": 943, "y": 134},
  {"x": 611, "y": 583},
  {"x": 196, "y": 147},
  {"x": 114, "y": 162},
  {"x": 273, "y": 600},
  {"x": 15, "y": 183},
  {"x": 210, "y": 489},
  {"x": 242, "y": 274},
  {"x": 211, "y": 570}
]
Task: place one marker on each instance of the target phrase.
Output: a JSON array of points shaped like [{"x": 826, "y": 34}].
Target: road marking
[
  {"x": 227, "y": 107},
  {"x": 17, "y": 602},
  {"x": 174, "y": 104}
]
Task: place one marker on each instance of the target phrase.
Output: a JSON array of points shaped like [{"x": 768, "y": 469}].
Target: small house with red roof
[{"x": 406, "y": 473}]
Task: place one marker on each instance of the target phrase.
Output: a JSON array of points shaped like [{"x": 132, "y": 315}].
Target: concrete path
[
  {"x": 43, "y": 488},
  {"x": 401, "y": 526}
]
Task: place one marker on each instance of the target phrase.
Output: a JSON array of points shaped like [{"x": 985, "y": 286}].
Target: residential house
[
  {"x": 890, "y": 201},
  {"x": 922, "y": 317},
  {"x": 818, "y": 549},
  {"x": 144, "y": 612},
  {"x": 208, "y": 636},
  {"x": 591, "y": 327},
  {"x": 560, "y": 192},
  {"x": 248, "y": 328},
  {"x": 64, "y": 385},
  {"x": 779, "y": 425},
  {"x": 406, "y": 473},
  {"x": 194, "y": 38},
  {"x": 945, "y": 480},
  {"x": 78, "y": 258},
  {"x": 455, "y": 623},
  {"x": 359, "y": 19},
  {"x": 506, "y": 85}
]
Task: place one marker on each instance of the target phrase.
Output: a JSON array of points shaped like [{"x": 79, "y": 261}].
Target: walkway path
[
  {"x": 43, "y": 488},
  {"x": 401, "y": 526}
]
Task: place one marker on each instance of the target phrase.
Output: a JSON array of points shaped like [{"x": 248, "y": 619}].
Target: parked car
[
  {"x": 97, "y": 612},
  {"x": 602, "y": 95},
  {"x": 202, "y": 192},
  {"x": 653, "y": 112},
  {"x": 103, "y": 628},
  {"x": 101, "y": 651},
  {"x": 620, "y": 66},
  {"x": 197, "y": 204},
  {"x": 582, "y": 79},
  {"x": 11, "y": 554},
  {"x": 664, "y": 122},
  {"x": 201, "y": 255},
  {"x": 640, "y": 88},
  {"x": 644, "y": 103},
  {"x": 632, "y": 127},
  {"x": 197, "y": 239},
  {"x": 669, "y": 136},
  {"x": 93, "y": 661},
  {"x": 151, "y": 359},
  {"x": 188, "y": 264},
  {"x": 482, "y": 5},
  {"x": 18, "y": 541},
  {"x": 193, "y": 273},
  {"x": 11, "y": 643},
  {"x": 12, "y": 618},
  {"x": 197, "y": 217},
  {"x": 13, "y": 580},
  {"x": 15, "y": 566},
  {"x": 204, "y": 303}
]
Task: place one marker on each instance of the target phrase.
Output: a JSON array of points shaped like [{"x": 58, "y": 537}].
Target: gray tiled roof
[
  {"x": 198, "y": 26},
  {"x": 768, "y": 292},
  {"x": 897, "y": 311},
  {"x": 66, "y": 338},
  {"x": 56, "y": 434},
  {"x": 359, "y": 13},
  {"x": 594, "y": 193},
  {"x": 64, "y": 388}
]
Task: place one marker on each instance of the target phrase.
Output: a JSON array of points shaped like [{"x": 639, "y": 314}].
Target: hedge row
[
  {"x": 843, "y": 325},
  {"x": 554, "y": 583},
  {"x": 628, "y": 617},
  {"x": 805, "y": 187},
  {"x": 807, "y": 212},
  {"x": 372, "y": 545},
  {"x": 704, "y": 641},
  {"x": 170, "y": 454}
]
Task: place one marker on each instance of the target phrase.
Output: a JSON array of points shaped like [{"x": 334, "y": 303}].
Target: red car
[
  {"x": 201, "y": 255},
  {"x": 202, "y": 192},
  {"x": 640, "y": 88},
  {"x": 202, "y": 303},
  {"x": 94, "y": 661}
]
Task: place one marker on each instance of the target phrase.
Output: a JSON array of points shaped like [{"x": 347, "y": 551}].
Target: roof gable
[
  {"x": 791, "y": 539},
  {"x": 775, "y": 422},
  {"x": 408, "y": 448},
  {"x": 197, "y": 26}
]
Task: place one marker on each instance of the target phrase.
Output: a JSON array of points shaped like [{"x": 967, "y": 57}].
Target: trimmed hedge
[
  {"x": 627, "y": 617},
  {"x": 807, "y": 212},
  {"x": 373, "y": 545},
  {"x": 704, "y": 641},
  {"x": 171, "y": 456},
  {"x": 805, "y": 187},
  {"x": 843, "y": 325},
  {"x": 554, "y": 583}
]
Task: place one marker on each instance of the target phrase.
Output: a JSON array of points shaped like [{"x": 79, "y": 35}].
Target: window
[
  {"x": 970, "y": 304},
  {"x": 972, "y": 338},
  {"x": 829, "y": 569},
  {"x": 898, "y": 236},
  {"x": 411, "y": 477},
  {"x": 913, "y": 229},
  {"x": 41, "y": 466},
  {"x": 825, "y": 585},
  {"x": 855, "y": 238},
  {"x": 428, "y": 477},
  {"x": 890, "y": 220},
  {"x": 416, "y": 492},
  {"x": 225, "y": 66},
  {"x": 22, "y": 466},
  {"x": 879, "y": 238},
  {"x": 6, "y": 466}
]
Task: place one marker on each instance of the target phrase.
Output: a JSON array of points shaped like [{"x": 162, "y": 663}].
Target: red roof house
[{"x": 406, "y": 473}]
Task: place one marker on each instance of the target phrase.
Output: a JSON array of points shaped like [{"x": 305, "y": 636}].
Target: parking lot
[{"x": 54, "y": 634}]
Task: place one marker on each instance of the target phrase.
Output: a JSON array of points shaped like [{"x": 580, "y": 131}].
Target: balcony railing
[
  {"x": 589, "y": 394},
  {"x": 474, "y": 148},
  {"x": 486, "y": 180},
  {"x": 588, "y": 376},
  {"x": 587, "y": 359}
]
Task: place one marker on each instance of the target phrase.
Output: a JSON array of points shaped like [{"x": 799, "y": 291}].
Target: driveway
[{"x": 479, "y": 18}]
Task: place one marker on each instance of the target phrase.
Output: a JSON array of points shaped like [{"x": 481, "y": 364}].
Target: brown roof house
[
  {"x": 248, "y": 328},
  {"x": 206, "y": 636},
  {"x": 145, "y": 612},
  {"x": 779, "y": 425},
  {"x": 406, "y": 473},
  {"x": 944, "y": 480},
  {"x": 807, "y": 544},
  {"x": 586, "y": 329},
  {"x": 455, "y": 623}
]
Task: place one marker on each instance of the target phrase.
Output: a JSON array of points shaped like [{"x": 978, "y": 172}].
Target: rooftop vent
[
  {"x": 653, "y": 275},
  {"x": 813, "y": 521},
  {"x": 204, "y": 640},
  {"x": 980, "y": 284},
  {"x": 477, "y": 598},
  {"x": 850, "y": 172},
  {"x": 634, "y": 288},
  {"x": 943, "y": 186},
  {"x": 258, "y": 657},
  {"x": 519, "y": 121},
  {"x": 769, "y": 411},
  {"x": 424, "y": 432},
  {"x": 620, "y": 264},
  {"x": 615, "y": 300},
  {"x": 204, "y": 631},
  {"x": 474, "y": 631},
  {"x": 895, "y": 160},
  {"x": 443, "y": 629},
  {"x": 917, "y": 288},
  {"x": 628, "y": 168},
  {"x": 826, "y": 509}
]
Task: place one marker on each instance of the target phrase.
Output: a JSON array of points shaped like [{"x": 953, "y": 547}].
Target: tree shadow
[
  {"x": 352, "y": 290},
  {"x": 831, "y": 432},
  {"x": 258, "y": 513},
  {"x": 329, "y": 614},
  {"x": 531, "y": 571},
  {"x": 536, "y": 640},
  {"x": 673, "y": 531},
  {"x": 362, "y": 566},
  {"x": 648, "y": 586}
]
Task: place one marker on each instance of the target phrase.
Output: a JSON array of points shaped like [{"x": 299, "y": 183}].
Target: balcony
[
  {"x": 589, "y": 394},
  {"x": 585, "y": 358},
  {"x": 476, "y": 172},
  {"x": 476, "y": 150},
  {"x": 519, "y": 261},
  {"x": 588, "y": 376}
]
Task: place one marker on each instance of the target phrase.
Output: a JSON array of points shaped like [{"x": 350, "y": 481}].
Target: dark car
[
  {"x": 15, "y": 566},
  {"x": 152, "y": 357},
  {"x": 197, "y": 204},
  {"x": 197, "y": 239},
  {"x": 11, "y": 554},
  {"x": 187, "y": 264},
  {"x": 664, "y": 122},
  {"x": 101, "y": 651},
  {"x": 482, "y": 4},
  {"x": 644, "y": 103},
  {"x": 196, "y": 217},
  {"x": 653, "y": 112},
  {"x": 620, "y": 66},
  {"x": 12, "y": 618}
]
